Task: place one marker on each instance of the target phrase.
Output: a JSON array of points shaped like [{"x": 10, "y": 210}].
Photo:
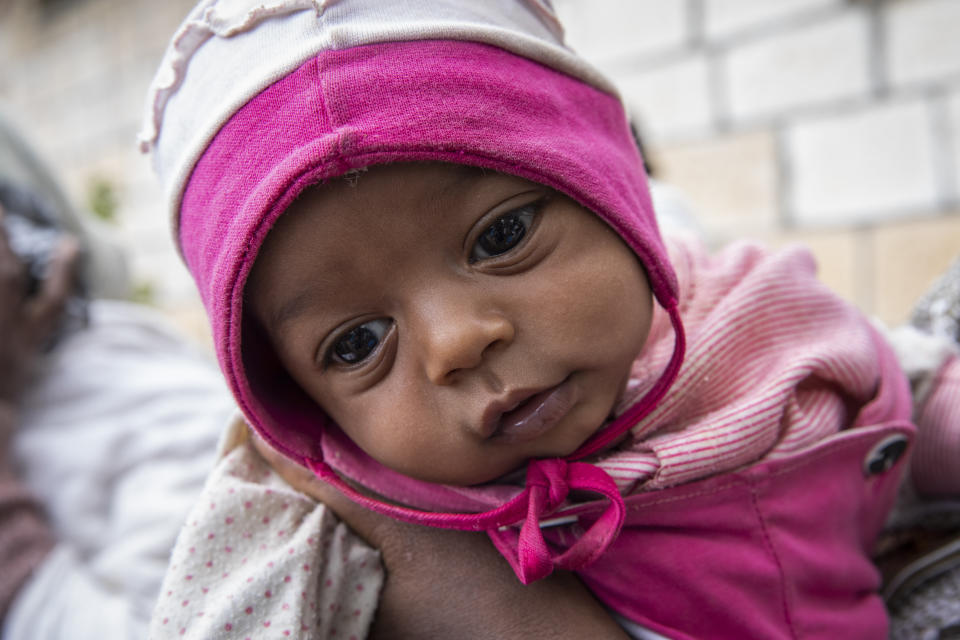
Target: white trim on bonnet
[{"x": 227, "y": 51}]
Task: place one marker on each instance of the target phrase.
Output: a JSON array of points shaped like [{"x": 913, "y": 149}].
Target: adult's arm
[
  {"x": 25, "y": 323},
  {"x": 454, "y": 584},
  {"x": 25, "y": 537}
]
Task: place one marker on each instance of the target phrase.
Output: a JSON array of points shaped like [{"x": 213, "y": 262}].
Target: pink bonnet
[{"x": 257, "y": 100}]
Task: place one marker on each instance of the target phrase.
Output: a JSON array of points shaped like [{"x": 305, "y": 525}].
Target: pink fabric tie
[{"x": 549, "y": 482}]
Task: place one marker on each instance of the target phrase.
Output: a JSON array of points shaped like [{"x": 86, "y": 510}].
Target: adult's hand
[
  {"x": 26, "y": 322},
  {"x": 454, "y": 584}
]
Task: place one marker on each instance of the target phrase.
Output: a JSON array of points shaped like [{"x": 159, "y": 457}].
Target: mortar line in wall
[
  {"x": 944, "y": 147},
  {"x": 644, "y": 62},
  {"x": 785, "y": 213},
  {"x": 745, "y": 36},
  {"x": 864, "y": 238},
  {"x": 869, "y": 217},
  {"x": 716, "y": 47},
  {"x": 717, "y": 92},
  {"x": 696, "y": 27},
  {"x": 877, "y": 44},
  {"x": 696, "y": 13},
  {"x": 835, "y": 108}
]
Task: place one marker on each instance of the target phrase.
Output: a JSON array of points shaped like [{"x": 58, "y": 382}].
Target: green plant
[
  {"x": 102, "y": 199},
  {"x": 143, "y": 292}
]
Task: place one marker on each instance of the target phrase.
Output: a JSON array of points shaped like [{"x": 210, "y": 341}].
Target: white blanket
[{"x": 117, "y": 438}]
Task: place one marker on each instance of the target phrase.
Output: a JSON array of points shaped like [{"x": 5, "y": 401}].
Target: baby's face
[{"x": 453, "y": 322}]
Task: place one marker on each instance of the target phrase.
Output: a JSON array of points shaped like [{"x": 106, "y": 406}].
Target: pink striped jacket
[
  {"x": 754, "y": 490},
  {"x": 776, "y": 456}
]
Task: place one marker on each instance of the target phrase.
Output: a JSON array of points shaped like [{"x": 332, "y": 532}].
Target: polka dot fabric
[{"x": 257, "y": 559}]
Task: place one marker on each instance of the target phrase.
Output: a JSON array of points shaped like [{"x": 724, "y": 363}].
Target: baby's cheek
[
  {"x": 608, "y": 302},
  {"x": 392, "y": 422}
]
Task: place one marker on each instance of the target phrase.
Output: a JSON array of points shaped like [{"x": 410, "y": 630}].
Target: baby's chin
[
  {"x": 513, "y": 472},
  {"x": 517, "y": 473},
  {"x": 506, "y": 463}
]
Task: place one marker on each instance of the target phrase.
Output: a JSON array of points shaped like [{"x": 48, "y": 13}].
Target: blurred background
[{"x": 831, "y": 122}]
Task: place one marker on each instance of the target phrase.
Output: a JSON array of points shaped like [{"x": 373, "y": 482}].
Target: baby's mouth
[{"x": 524, "y": 416}]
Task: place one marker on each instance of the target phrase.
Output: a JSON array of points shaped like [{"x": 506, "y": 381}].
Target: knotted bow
[{"x": 548, "y": 484}]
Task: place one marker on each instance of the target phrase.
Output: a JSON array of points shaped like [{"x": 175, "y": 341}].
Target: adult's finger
[
  {"x": 297, "y": 476},
  {"x": 6, "y": 253},
  {"x": 369, "y": 525},
  {"x": 12, "y": 271},
  {"x": 46, "y": 306}
]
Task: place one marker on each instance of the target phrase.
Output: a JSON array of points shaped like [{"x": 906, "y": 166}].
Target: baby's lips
[
  {"x": 536, "y": 413},
  {"x": 493, "y": 414}
]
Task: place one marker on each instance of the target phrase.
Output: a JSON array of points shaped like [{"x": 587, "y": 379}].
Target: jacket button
[{"x": 885, "y": 454}]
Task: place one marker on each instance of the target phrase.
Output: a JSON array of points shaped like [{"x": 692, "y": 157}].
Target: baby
[
  {"x": 424, "y": 238},
  {"x": 475, "y": 333}
]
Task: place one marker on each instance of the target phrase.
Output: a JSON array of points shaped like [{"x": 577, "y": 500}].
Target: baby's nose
[{"x": 458, "y": 333}]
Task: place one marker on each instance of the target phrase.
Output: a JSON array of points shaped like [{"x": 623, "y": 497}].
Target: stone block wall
[
  {"x": 831, "y": 122},
  {"x": 73, "y": 77}
]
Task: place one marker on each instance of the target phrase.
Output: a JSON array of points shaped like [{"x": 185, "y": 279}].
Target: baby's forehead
[
  {"x": 403, "y": 182},
  {"x": 354, "y": 225},
  {"x": 354, "y": 205}
]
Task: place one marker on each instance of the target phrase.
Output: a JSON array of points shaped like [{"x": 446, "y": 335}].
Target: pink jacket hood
[{"x": 459, "y": 100}]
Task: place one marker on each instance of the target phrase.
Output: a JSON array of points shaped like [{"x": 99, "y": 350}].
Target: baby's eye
[
  {"x": 505, "y": 233},
  {"x": 357, "y": 343}
]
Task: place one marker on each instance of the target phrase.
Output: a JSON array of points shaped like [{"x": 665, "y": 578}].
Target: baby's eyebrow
[
  {"x": 464, "y": 178},
  {"x": 292, "y": 308}
]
